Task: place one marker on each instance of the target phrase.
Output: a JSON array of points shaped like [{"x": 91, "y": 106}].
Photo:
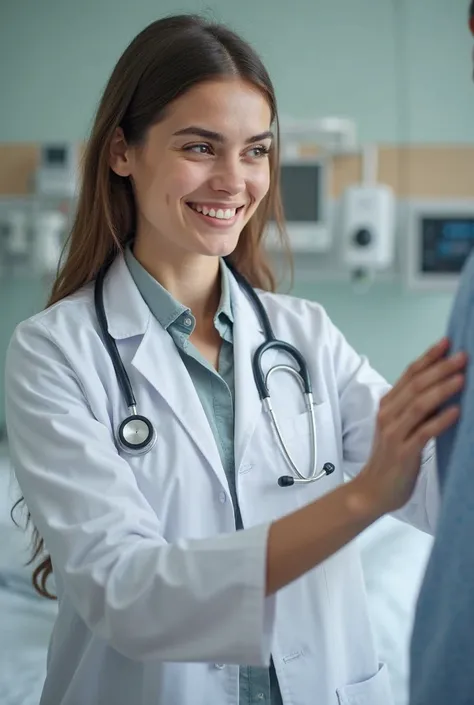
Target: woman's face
[{"x": 202, "y": 170}]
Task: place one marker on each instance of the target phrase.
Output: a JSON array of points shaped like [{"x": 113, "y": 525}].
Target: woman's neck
[{"x": 192, "y": 280}]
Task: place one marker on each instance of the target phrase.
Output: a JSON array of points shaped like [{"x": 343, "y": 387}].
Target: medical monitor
[
  {"x": 57, "y": 173},
  {"x": 303, "y": 186},
  {"x": 440, "y": 238}
]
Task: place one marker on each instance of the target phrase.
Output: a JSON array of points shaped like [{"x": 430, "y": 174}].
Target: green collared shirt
[{"x": 216, "y": 392}]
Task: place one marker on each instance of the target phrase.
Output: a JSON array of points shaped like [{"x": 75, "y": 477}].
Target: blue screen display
[{"x": 446, "y": 242}]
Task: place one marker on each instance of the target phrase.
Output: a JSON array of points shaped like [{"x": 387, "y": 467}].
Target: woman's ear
[{"x": 119, "y": 154}]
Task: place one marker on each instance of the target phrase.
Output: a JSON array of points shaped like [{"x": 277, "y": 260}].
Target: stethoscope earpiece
[{"x": 288, "y": 480}]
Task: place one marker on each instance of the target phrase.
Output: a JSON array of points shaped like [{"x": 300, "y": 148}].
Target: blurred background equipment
[{"x": 439, "y": 238}]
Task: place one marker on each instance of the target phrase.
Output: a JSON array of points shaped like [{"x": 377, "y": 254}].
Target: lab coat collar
[
  {"x": 126, "y": 311},
  {"x": 248, "y": 335},
  {"x": 157, "y": 359}
]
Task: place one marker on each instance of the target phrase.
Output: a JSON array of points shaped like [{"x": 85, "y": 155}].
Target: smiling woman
[
  {"x": 199, "y": 176},
  {"x": 205, "y": 124},
  {"x": 190, "y": 567},
  {"x": 167, "y": 145}
]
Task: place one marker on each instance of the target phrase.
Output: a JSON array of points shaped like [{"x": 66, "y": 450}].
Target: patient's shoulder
[{"x": 465, "y": 292}]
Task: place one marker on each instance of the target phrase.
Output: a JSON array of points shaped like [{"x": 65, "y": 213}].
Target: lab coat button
[
  {"x": 220, "y": 666},
  {"x": 222, "y": 498}
]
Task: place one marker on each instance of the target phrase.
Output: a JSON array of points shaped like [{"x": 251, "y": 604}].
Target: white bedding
[
  {"x": 26, "y": 619},
  {"x": 393, "y": 556},
  {"x": 26, "y": 627}
]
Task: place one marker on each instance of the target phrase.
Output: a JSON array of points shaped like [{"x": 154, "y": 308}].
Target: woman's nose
[{"x": 229, "y": 176}]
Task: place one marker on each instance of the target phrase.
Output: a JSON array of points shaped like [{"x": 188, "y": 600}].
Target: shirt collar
[{"x": 164, "y": 307}]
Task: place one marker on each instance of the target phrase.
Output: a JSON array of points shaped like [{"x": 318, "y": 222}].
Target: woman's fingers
[
  {"x": 433, "y": 354},
  {"x": 421, "y": 384},
  {"x": 423, "y": 407},
  {"x": 431, "y": 429},
  {"x": 410, "y": 415}
]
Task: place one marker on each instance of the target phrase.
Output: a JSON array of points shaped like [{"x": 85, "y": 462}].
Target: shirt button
[
  {"x": 188, "y": 321},
  {"x": 222, "y": 497}
]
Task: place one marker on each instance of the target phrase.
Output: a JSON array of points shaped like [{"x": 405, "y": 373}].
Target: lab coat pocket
[
  {"x": 299, "y": 425},
  {"x": 298, "y": 432},
  {"x": 373, "y": 691}
]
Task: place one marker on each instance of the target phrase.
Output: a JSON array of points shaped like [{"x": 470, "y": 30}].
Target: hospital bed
[
  {"x": 393, "y": 556},
  {"x": 26, "y": 620}
]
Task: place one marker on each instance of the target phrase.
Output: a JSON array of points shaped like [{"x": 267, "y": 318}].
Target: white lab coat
[{"x": 159, "y": 596}]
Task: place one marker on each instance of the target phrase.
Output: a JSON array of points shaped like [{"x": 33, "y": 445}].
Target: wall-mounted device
[
  {"x": 439, "y": 238},
  {"x": 14, "y": 229},
  {"x": 48, "y": 240},
  {"x": 367, "y": 227},
  {"x": 304, "y": 191},
  {"x": 334, "y": 134},
  {"x": 58, "y": 171}
]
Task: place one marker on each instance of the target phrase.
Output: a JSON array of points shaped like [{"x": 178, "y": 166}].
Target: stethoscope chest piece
[{"x": 136, "y": 435}]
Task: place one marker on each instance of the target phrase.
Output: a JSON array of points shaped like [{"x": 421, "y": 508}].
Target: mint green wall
[
  {"x": 400, "y": 68},
  {"x": 18, "y": 300},
  {"x": 388, "y": 324},
  {"x": 325, "y": 56}
]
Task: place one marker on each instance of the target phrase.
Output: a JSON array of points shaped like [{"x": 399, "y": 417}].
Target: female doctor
[{"x": 138, "y": 432}]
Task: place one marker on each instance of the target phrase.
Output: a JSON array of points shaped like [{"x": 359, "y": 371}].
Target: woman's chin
[{"x": 220, "y": 246}]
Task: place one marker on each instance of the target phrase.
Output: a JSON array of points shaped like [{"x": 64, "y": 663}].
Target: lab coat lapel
[
  {"x": 158, "y": 360},
  {"x": 248, "y": 335}
]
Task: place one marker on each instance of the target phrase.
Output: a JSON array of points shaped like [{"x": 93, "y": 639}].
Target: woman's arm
[
  {"x": 407, "y": 418},
  {"x": 195, "y": 600}
]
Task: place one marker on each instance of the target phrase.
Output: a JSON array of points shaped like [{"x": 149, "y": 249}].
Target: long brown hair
[{"x": 165, "y": 60}]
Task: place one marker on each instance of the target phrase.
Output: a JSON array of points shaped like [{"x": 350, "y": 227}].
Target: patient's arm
[{"x": 442, "y": 648}]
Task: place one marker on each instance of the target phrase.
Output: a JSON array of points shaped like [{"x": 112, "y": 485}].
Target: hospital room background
[{"x": 377, "y": 109}]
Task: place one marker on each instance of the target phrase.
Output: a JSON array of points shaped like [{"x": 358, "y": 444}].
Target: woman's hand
[{"x": 409, "y": 416}]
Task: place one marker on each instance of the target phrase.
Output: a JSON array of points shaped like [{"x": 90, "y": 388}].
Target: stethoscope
[{"x": 136, "y": 434}]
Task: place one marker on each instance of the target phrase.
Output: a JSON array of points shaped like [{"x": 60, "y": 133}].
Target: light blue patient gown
[{"x": 442, "y": 648}]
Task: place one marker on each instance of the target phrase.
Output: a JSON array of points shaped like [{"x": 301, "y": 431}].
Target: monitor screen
[
  {"x": 300, "y": 189},
  {"x": 55, "y": 156},
  {"x": 446, "y": 242}
]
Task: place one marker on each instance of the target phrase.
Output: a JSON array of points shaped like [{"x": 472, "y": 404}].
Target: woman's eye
[
  {"x": 198, "y": 148},
  {"x": 259, "y": 151},
  {"x": 202, "y": 148}
]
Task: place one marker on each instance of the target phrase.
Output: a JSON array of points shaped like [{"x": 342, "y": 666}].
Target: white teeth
[{"x": 220, "y": 213}]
